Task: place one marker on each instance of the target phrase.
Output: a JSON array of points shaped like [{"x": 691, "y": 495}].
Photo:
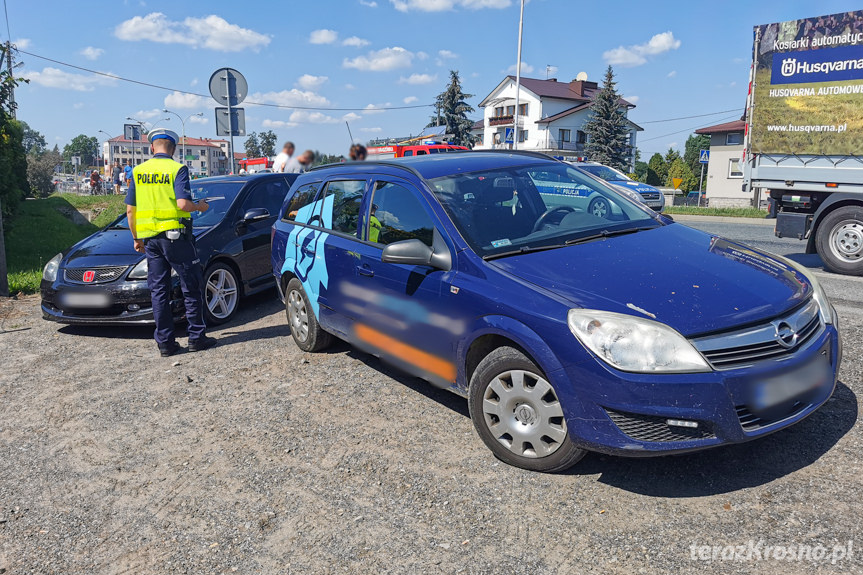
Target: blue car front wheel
[{"x": 517, "y": 413}]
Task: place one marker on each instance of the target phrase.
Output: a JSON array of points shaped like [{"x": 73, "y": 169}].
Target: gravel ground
[{"x": 254, "y": 457}]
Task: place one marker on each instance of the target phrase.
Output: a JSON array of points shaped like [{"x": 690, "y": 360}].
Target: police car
[{"x": 650, "y": 195}]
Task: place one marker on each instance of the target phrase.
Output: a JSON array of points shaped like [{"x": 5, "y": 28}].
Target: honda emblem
[{"x": 89, "y": 275}]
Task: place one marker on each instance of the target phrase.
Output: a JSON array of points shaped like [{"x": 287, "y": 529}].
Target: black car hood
[{"x": 109, "y": 247}]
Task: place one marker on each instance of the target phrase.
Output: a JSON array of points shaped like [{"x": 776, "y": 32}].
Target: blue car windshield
[
  {"x": 604, "y": 172},
  {"x": 220, "y": 196},
  {"x": 541, "y": 206}
]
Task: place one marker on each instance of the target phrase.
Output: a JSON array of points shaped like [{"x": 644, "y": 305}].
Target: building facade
[
  {"x": 552, "y": 116},
  {"x": 203, "y": 156},
  {"x": 724, "y": 174}
]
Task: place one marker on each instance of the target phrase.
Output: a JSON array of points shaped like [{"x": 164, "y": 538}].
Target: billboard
[{"x": 809, "y": 86}]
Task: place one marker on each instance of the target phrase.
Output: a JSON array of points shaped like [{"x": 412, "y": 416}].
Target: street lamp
[
  {"x": 110, "y": 155},
  {"x": 183, "y": 123},
  {"x": 143, "y": 127}
]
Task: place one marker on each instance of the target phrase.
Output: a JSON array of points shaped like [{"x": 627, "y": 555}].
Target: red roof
[
  {"x": 735, "y": 126},
  {"x": 577, "y": 90}
]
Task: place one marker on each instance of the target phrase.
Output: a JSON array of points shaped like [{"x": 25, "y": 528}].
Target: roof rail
[{"x": 520, "y": 153}]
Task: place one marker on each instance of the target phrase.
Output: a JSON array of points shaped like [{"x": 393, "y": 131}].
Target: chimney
[
  {"x": 579, "y": 87},
  {"x": 552, "y": 79}
]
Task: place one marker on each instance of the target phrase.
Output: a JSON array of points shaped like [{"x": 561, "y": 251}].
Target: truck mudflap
[{"x": 793, "y": 225}]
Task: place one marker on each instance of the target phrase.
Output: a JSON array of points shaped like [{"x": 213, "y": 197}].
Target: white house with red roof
[
  {"x": 723, "y": 179},
  {"x": 551, "y": 120}
]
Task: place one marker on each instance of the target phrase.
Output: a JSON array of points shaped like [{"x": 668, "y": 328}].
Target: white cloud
[
  {"x": 410, "y": 100},
  {"x": 447, "y": 54},
  {"x": 210, "y": 32},
  {"x": 199, "y": 120},
  {"x": 474, "y": 74},
  {"x": 92, "y": 53},
  {"x": 277, "y": 124},
  {"x": 732, "y": 84},
  {"x": 632, "y": 99},
  {"x": 350, "y": 87},
  {"x": 351, "y": 117},
  {"x": 355, "y": 41},
  {"x": 22, "y": 43},
  {"x": 418, "y": 79},
  {"x": 671, "y": 74},
  {"x": 525, "y": 68},
  {"x": 309, "y": 82},
  {"x": 187, "y": 101},
  {"x": 636, "y": 55},
  {"x": 308, "y": 117},
  {"x": 194, "y": 82},
  {"x": 371, "y": 4},
  {"x": 442, "y": 5},
  {"x": 148, "y": 114},
  {"x": 291, "y": 97},
  {"x": 323, "y": 36},
  {"x": 78, "y": 105},
  {"x": 373, "y": 109},
  {"x": 55, "y": 78},
  {"x": 372, "y": 130},
  {"x": 381, "y": 60},
  {"x": 422, "y": 55}
]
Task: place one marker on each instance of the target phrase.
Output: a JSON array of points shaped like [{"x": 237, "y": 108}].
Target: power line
[
  {"x": 690, "y": 117},
  {"x": 247, "y": 102},
  {"x": 686, "y": 130}
]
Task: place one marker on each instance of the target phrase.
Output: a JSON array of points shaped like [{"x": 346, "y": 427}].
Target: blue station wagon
[{"x": 567, "y": 331}]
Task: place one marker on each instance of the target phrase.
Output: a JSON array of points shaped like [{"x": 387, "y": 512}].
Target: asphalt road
[{"x": 759, "y": 234}]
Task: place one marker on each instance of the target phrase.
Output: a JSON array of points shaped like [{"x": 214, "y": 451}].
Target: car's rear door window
[
  {"x": 301, "y": 207},
  {"x": 341, "y": 210},
  {"x": 269, "y": 194},
  {"x": 397, "y": 214}
]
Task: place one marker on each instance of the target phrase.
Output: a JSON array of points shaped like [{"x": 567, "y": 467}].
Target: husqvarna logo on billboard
[
  {"x": 789, "y": 67},
  {"x": 812, "y": 66}
]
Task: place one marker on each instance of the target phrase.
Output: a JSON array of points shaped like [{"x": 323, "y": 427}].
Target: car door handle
[{"x": 366, "y": 271}]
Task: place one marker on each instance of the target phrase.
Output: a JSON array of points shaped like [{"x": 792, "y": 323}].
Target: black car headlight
[
  {"x": 139, "y": 272},
  {"x": 49, "y": 274}
]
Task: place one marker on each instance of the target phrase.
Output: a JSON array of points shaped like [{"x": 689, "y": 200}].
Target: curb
[{"x": 723, "y": 219}]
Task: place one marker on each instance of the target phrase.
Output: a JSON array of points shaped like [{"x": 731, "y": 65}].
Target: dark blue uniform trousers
[{"x": 162, "y": 255}]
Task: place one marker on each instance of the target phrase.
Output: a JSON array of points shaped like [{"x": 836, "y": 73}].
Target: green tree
[
  {"x": 670, "y": 156},
  {"x": 87, "y": 147},
  {"x": 657, "y": 170},
  {"x": 40, "y": 172},
  {"x": 34, "y": 142},
  {"x": 641, "y": 169},
  {"x": 268, "y": 143},
  {"x": 454, "y": 110},
  {"x": 253, "y": 148},
  {"x": 607, "y": 131},
  {"x": 692, "y": 151},
  {"x": 679, "y": 169},
  {"x": 13, "y": 161}
]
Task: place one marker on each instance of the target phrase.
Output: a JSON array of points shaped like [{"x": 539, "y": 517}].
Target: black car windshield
[
  {"x": 220, "y": 196},
  {"x": 514, "y": 210},
  {"x": 604, "y": 172}
]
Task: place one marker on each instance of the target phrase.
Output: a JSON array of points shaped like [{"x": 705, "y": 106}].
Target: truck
[
  {"x": 803, "y": 142},
  {"x": 401, "y": 151}
]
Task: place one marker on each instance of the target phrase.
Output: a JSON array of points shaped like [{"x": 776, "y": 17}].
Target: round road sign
[{"x": 228, "y": 87}]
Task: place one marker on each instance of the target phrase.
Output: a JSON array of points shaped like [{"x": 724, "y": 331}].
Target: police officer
[{"x": 159, "y": 202}]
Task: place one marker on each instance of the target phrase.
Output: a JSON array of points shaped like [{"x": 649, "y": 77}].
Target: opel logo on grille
[{"x": 785, "y": 335}]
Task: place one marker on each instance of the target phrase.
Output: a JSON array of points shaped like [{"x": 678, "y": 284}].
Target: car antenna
[{"x": 351, "y": 136}]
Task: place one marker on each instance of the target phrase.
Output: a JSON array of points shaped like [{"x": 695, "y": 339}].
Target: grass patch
[
  {"x": 726, "y": 212},
  {"x": 38, "y": 231}
]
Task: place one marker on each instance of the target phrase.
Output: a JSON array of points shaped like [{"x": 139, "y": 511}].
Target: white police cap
[{"x": 163, "y": 133}]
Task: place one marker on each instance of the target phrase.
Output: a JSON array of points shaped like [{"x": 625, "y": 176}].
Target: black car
[{"x": 103, "y": 280}]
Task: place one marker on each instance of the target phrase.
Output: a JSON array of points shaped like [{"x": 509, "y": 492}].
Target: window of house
[
  {"x": 116, "y": 149},
  {"x": 733, "y": 139},
  {"x": 564, "y": 135},
  {"x": 346, "y": 199},
  {"x": 735, "y": 169},
  {"x": 580, "y": 137},
  {"x": 522, "y": 135},
  {"x": 522, "y": 109},
  {"x": 498, "y": 112},
  {"x": 203, "y": 152},
  {"x": 397, "y": 214},
  {"x": 510, "y": 110},
  {"x": 203, "y": 164}
]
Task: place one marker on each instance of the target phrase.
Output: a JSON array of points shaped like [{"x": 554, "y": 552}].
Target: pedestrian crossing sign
[{"x": 704, "y": 157}]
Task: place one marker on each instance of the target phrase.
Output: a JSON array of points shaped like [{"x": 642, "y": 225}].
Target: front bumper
[
  {"x": 124, "y": 303},
  {"x": 627, "y": 414}
]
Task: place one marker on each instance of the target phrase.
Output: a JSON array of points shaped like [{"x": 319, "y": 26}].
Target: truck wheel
[{"x": 839, "y": 240}]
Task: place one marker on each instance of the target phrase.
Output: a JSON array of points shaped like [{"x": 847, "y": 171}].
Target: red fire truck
[
  {"x": 252, "y": 165},
  {"x": 401, "y": 151}
]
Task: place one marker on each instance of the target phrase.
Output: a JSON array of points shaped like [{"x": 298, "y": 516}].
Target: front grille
[
  {"x": 650, "y": 196},
  {"x": 746, "y": 347},
  {"x": 655, "y": 428},
  {"x": 751, "y": 422},
  {"x": 101, "y": 275}
]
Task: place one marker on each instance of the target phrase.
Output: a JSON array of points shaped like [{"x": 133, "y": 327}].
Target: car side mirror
[
  {"x": 256, "y": 215},
  {"x": 415, "y": 253}
]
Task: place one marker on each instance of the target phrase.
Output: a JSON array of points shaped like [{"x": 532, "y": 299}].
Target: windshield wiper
[
  {"x": 606, "y": 234},
  {"x": 521, "y": 250}
]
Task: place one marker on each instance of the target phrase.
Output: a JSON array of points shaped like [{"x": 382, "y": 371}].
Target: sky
[{"x": 350, "y": 58}]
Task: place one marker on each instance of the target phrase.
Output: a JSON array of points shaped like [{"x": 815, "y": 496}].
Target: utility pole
[
  {"x": 12, "y": 105},
  {"x": 517, "y": 79},
  {"x": 4, "y": 280}
]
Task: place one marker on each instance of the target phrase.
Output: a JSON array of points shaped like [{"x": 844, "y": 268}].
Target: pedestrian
[
  {"x": 159, "y": 204},
  {"x": 284, "y": 157},
  {"x": 115, "y": 176},
  {"x": 300, "y": 163},
  {"x": 127, "y": 172},
  {"x": 358, "y": 153},
  {"x": 95, "y": 182}
]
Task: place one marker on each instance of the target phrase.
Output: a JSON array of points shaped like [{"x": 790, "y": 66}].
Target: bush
[{"x": 40, "y": 173}]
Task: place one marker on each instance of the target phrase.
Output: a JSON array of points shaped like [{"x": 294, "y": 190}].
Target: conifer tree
[{"x": 607, "y": 130}]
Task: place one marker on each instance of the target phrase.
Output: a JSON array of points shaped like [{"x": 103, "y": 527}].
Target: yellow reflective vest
[{"x": 156, "y": 208}]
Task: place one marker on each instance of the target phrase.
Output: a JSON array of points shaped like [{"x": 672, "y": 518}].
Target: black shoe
[
  {"x": 202, "y": 343},
  {"x": 169, "y": 349}
]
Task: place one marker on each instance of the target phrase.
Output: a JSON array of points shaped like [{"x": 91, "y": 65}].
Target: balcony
[
  {"x": 500, "y": 120},
  {"x": 556, "y": 144}
]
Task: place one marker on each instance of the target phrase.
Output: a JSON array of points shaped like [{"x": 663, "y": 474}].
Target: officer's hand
[
  {"x": 203, "y": 206},
  {"x": 139, "y": 246}
]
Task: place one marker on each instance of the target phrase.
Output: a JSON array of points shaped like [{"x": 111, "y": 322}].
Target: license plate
[
  {"x": 89, "y": 300},
  {"x": 780, "y": 389}
]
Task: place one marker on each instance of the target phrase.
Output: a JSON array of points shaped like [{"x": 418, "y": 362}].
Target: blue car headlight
[
  {"x": 634, "y": 344},
  {"x": 817, "y": 291}
]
